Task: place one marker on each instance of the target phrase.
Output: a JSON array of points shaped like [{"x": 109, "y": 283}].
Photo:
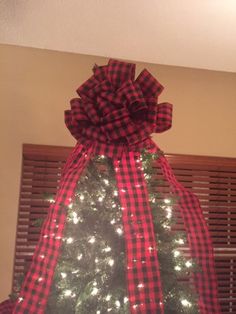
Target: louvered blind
[{"x": 212, "y": 179}]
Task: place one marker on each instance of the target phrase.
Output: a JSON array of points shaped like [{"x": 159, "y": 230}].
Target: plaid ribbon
[
  {"x": 115, "y": 108},
  {"x": 143, "y": 274},
  {"x": 37, "y": 283},
  {"x": 6, "y": 307},
  {"x": 199, "y": 241},
  {"x": 115, "y": 116}
]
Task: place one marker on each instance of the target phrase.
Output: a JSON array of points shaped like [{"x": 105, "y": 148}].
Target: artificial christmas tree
[{"x": 109, "y": 243}]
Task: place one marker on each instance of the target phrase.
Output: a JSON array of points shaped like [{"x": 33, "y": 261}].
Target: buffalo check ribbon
[{"x": 115, "y": 116}]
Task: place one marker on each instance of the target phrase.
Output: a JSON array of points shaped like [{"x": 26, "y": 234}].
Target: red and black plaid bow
[{"x": 115, "y": 116}]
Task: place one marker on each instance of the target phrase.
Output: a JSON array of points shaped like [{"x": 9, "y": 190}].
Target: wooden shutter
[
  {"x": 41, "y": 169},
  {"x": 212, "y": 179}
]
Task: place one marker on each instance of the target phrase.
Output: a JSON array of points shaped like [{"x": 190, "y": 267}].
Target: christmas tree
[
  {"x": 91, "y": 272},
  {"x": 109, "y": 242}
]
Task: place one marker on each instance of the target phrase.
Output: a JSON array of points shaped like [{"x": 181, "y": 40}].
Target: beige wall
[{"x": 35, "y": 88}]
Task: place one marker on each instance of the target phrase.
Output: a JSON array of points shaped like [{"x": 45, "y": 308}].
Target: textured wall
[{"x": 35, "y": 88}]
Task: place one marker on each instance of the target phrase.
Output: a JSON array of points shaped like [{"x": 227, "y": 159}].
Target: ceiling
[{"x": 190, "y": 33}]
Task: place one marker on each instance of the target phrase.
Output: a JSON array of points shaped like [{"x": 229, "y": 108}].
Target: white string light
[
  {"x": 63, "y": 275},
  {"x": 69, "y": 240},
  {"x": 94, "y": 291},
  {"x": 176, "y": 253},
  {"x": 108, "y": 297},
  {"x": 119, "y": 231},
  {"x": 188, "y": 264},
  {"x": 111, "y": 262},
  {"x": 92, "y": 240},
  {"x": 186, "y": 303}
]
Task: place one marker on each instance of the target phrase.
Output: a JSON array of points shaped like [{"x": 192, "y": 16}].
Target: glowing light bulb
[
  {"x": 176, "y": 253},
  {"x": 117, "y": 303},
  {"x": 94, "y": 291},
  {"x": 70, "y": 205},
  {"x": 108, "y": 297},
  {"x": 69, "y": 240},
  {"x": 113, "y": 221},
  {"x": 79, "y": 257},
  {"x": 178, "y": 268},
  {"x": 40, "y": 279},
  {"x": 67, "y": 293},
  {"x": 150, "y": 248},
  {"x": 111, "y": 262},
  {"x": 106, "y": 181},
  {"x": 188, "y": 264},
  {"x": 100, "y": 199},
  {"x": 63, "y": 275},
  {"x": 81, "y": 197},
  {"x": 115, "y": 193},
  {"x": 107, "y": 249},
  {"x": 119, "y": 231},
  {"x": 167, "y": 201},
  {"x": 92, "y": 240},
  {"x": 179, "y": 241},
  {"x": 20, "y": 299},
  {"x": 126, "y": 299},
  {"x": 186, "y": 303},
  {"x": 140, "y": 285}
]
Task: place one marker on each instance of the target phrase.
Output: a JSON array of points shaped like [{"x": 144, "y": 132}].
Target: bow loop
[
  {"x": 148, "y": 84},
  {"x": 115, "y": 108},
  {"x": 120, "y": 72}
]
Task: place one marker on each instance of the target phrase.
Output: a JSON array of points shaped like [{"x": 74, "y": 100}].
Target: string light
[
  {"x": 179, "y": 241},
  {"x": 111, "y": 262},
  {"x": 119, "y": 231},
  {"x": 63, "y": 275},
  {"x": 79, "y": 257},
  {"x": 126, "y": 299},
  {"x": 186, "y": 303},
  {"x": 81, "y": 197},
  {"x": 178, "y": 268},
  {"x": 107, "y": 249},
  {"x": 108, "y": 297},
  {"x": 69, "y": 240},
  {"x": 167, "y": 201},
  {"x": 67, "y": 293},
  {"x": 176, "y": 253},
  {"x": 117, "y": 303},
  {"x": 94, "y": 291},
  {"x": 188, "y": 264},
  {"x": 92, "y": 239},
  {"x": 106, "y": 181}
]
